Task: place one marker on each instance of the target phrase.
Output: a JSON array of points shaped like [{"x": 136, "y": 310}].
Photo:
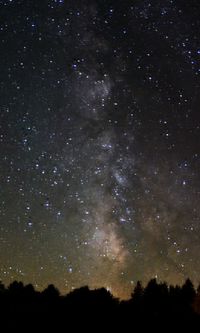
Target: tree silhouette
[
  {"x": 188, "y": 292},
  {"x": 137, "y": 297},
  {"x": 2, "y": 288},
  {"x": 16, "y": 288},
  {"x": 196, "y": 302},
  {"x": 51, "y": 292},
  {"x": 138, "y": 291},
  {"x": 154, "y": 304}
]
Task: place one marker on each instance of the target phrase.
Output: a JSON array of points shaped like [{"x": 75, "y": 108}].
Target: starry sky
[{"x": 99, "y": 142}]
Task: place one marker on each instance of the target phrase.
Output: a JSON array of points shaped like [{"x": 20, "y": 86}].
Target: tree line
[{"x": 153, "y": 305}]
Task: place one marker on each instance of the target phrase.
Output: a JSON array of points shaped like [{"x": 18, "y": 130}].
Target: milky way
[{"x": 99, "y": 142}]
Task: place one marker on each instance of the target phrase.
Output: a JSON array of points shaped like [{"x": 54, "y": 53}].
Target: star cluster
[{"x": 99, "y": 142}]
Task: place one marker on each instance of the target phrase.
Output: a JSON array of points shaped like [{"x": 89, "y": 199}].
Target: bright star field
[{"x": 99, "y": 142}]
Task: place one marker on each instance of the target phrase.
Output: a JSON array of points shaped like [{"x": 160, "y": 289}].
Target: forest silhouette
[{"x": 157, "y": 305}]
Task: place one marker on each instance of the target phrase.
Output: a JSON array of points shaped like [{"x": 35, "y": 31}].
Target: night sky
[{"x": 99, "y": 142}]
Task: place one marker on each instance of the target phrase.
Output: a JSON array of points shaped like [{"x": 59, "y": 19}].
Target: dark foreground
[{"x": 156, "y": 307}]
